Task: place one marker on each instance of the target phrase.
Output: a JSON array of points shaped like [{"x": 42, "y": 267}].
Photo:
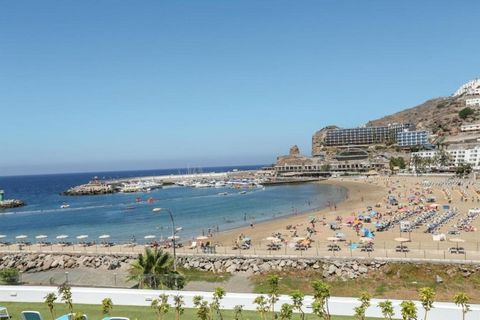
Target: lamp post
[{"x": 174, "y": 231}]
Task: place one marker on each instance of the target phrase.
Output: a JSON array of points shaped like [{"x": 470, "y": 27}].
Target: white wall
[{"x": 134, "y": 297}]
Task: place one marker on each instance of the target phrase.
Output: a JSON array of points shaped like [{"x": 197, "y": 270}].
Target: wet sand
[{"x": 357, "y": 190}]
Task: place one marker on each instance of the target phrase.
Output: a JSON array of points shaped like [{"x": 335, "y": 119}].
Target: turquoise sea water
[{"x": 195, "y": 210}]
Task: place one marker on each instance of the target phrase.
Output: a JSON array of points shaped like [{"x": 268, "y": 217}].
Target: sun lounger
[
  {"x": 31, "y": 315},
  {"x": 4, "y": 313},
  {"x": 70, "y": 317},
  {"x": 193, "y": 245}
]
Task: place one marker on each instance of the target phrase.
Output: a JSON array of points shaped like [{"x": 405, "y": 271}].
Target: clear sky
[{"x": 97, "y": 85}]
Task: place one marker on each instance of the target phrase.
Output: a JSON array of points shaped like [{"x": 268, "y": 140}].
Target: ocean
[{"x": 196, "y": 210}]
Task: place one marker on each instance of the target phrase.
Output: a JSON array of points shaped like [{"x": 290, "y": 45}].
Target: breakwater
[{"x": 10, "y": 204}]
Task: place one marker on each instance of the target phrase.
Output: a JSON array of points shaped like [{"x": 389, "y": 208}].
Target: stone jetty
[
  {"x": 8, "y": 204},
  {"x": 90, "y": 189}
]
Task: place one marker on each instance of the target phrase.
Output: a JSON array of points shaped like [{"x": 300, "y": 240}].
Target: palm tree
[{"x": 154, "y": 268}]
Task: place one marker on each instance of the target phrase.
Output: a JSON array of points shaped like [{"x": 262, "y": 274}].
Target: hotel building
[
  {"x": 412, "y": 138},
  {"x": 364, "y": 135}
]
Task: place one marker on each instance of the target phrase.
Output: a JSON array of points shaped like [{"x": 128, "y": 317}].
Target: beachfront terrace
[{"x": 466, "y": 252}]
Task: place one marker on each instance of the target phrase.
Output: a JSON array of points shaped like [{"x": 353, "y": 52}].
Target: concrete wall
[{"x": 132, "y": 297}]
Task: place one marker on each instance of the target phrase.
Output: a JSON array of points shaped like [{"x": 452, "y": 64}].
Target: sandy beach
[
  {"x": 373, "y": 192},
  {"x": 357, "y": 190},
  {"x": 364, "y": 196}
]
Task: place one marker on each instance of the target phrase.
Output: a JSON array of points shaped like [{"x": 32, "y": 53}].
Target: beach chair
[
  {"x": 193, "y": 245},
  {"x": 70, "y": 317},
  {"x": 4, "y": 313},
  {"x": 31, "y": 315}
]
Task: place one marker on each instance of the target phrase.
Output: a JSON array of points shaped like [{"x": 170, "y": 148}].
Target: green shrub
[
  {"x": 465, "y": 113},
  {"x": 9, "y": 275}
]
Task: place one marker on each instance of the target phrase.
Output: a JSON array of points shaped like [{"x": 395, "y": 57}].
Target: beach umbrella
[
  {"x": 296, "y": 239},
  {"x": 104, "y": 236},
  {"x": 202, "y": 238},
  {"x": 62, "y": 236},
  {"x": 332, "y": 239},
  {"x": 365, "y": 239},
  {"x": 271, "y": 238},
  {"x": 401, "y": 240},
  {"x": 81, "y": 237},
  {"x": 456, "y": 240},
  {"x": 151, "y": 236},
  {"x": 349, "y": 219},
  {"x": 40, "y": 237},
  {"x": 173, "y": 237},
  {"x": 21, "y": 237},
  {"x": 3, "y": 236}
]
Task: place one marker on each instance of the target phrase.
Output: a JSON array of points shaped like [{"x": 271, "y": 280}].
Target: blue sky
[{"x": 97, "y": 85}]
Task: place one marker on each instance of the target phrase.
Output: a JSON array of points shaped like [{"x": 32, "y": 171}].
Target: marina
[{"x": 247, "y": 179}]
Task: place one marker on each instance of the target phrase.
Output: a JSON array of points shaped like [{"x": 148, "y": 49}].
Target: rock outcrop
[{"x": 8, "y": 204}]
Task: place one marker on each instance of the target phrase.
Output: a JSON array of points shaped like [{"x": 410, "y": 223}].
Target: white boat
[
  {"x": 243, "y": 192},
  {"x": 201, "y": 185},
  {"x": 64, "y": 206},
  {"x": 156, "y": 209},
  {"x": 140, "y": 186},
  {"x": 220, "y": 184},
  {"x": 223, "y": 193}
]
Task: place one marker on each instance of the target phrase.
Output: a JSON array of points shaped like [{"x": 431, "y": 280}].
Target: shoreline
[
  {"x": 302, "y": 213},
  {"x": 354, "y": 193}
]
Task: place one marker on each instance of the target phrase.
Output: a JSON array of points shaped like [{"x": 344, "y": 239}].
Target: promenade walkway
[{"x": 439, "y": 252}]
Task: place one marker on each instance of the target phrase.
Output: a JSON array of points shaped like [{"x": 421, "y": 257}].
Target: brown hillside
[{"x": 437, "y": 115}]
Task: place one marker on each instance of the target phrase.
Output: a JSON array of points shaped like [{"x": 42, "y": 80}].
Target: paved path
[
  {"x": 116, "y": 279},
  {"x": 133, "y": 297},
  {"x": 78, "y": 277}
]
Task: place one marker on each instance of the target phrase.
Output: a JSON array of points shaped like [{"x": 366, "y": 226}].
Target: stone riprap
[
  {"x": 350, "y": 269},
  {"x": 329, "y": 268},
  {"x": 37, "y": 262}
]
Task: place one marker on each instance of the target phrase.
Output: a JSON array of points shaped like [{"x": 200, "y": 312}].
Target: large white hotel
[{"x": 458, "y": 155}]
